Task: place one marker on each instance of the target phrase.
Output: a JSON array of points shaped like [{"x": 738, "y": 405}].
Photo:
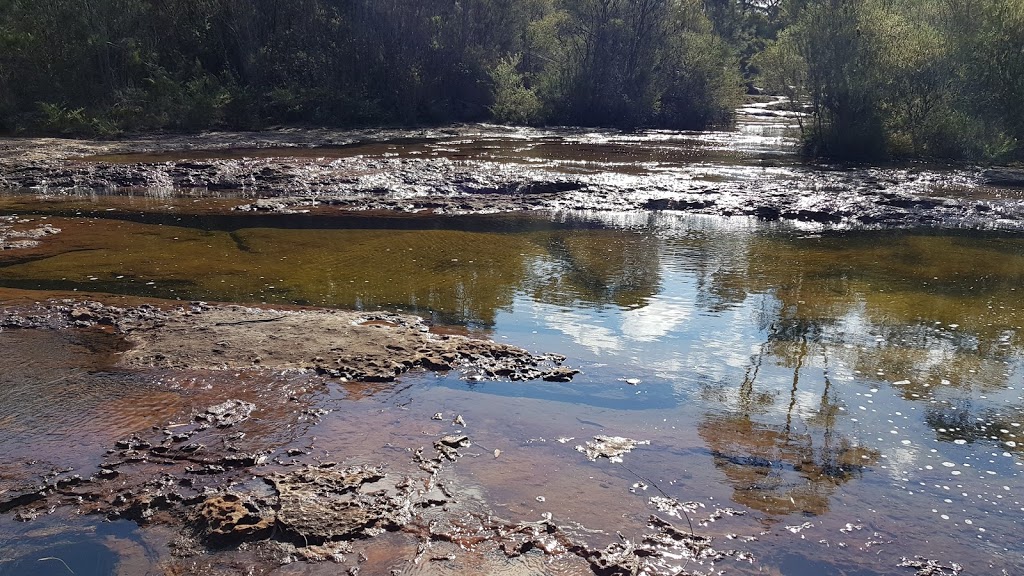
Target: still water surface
[{"x": 860, "y": 394}]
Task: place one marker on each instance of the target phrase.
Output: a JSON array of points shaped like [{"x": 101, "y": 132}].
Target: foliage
[
  {"x": 513, "y": 102},
  {"x": 100, "y": 66},
  {"x": 904, "y": 78},
  {"x": 880, "y": 78}
]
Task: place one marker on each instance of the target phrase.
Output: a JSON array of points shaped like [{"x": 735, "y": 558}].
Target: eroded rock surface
[
  {"x": 228, "y": 517},
  {"x": 210, "y": 484},
  {"x": 359, "y": 346}
]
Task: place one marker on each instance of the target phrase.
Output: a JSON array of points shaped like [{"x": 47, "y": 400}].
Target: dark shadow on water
[
  {"x": 78, "y": 558},
  {"x": 234, "y": 221},
  {"x": 73, "y": 554},
  {"x": 798, "y": 565}
]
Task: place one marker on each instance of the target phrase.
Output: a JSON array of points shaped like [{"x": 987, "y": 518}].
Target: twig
[
  {"x": 58, "y": 560},
  {"x": 658, "y": 488}
]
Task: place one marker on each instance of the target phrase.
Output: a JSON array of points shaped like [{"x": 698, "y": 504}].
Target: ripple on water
[{"x": 60, "y": 406}]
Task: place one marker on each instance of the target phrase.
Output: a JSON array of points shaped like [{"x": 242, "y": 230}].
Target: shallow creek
[{"x": 858, "y": 395}]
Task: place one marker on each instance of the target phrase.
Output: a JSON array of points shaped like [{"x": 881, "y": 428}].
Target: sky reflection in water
[{"x": 808, "y": 361}]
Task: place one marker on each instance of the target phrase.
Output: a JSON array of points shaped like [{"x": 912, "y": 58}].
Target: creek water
[{"x": 858, "y": 394}]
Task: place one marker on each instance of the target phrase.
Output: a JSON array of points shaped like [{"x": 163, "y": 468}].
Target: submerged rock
[{"x": 610, "y": 447}]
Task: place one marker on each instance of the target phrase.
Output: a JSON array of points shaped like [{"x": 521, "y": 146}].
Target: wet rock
[
  {"x": 226, "y": 414},
  {"x": 673, "y": 507},
  {"x": 29, "y": 495},
  {"x": 926, "y": 567},
  {"x": 133, "y": 443},
  {"x": 1011, "y": 177},
  {"x": 658, "y": 553},
  {"x": 678, "y": 204},
  {"x": 526, "y": 536},
  {"x": 560, "y": 374},
  {"x": 770, "y": 190},
  {"x": 26, "y": 515},
  {"x": 448, "y": 446},
  {"x": 242, "y": 460},
  {"x": 818, "y": 216},
  {"x": 328, "y": 551},
  {"x": 322, "y": 504},
  {"x": 106, "y": 474},
  {"x": 144, "y": 506},
  {"x": 268, "y": 205},
  {"x": 18, "y": 234},
  {"x": 909, "y": 203},
  {"x": 610, "y": 447},
  {"x": 455, "y": 441},
  {"x": 229, "y": 518},
  {"x": 81, "y": 313}
]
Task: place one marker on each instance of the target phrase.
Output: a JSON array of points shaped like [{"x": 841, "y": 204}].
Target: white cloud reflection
[
  {"x": 581, "y": 329},
  {"x": 656, "y": 320}
]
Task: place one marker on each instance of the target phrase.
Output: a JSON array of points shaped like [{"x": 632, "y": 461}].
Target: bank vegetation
[{"x": 878, "y": 78}]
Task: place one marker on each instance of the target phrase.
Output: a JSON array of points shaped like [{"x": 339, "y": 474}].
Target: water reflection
[
  {"x": 83, "y": 547},
  {"x": 778, "y": 471},
  {"x": 793, "y": 465},
  {"x": 805, "y": 359},
  {"x": 599, "y": 267},
  {"x": 918, "y": 309}
]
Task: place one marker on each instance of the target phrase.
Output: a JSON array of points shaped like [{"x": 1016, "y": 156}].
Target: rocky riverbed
[
  {"x": 773, "y": 386},
  {"x": 484, "y": 169},
  {"x": 216, "y": 482}
]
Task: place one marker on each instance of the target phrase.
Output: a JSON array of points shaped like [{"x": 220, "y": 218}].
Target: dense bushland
[
  {"x": 105, "y": 66},
  {"x": 879, "y": 78}
]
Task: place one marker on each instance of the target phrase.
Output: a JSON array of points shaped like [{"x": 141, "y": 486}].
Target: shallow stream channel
[{"x": 826, "y": 381}]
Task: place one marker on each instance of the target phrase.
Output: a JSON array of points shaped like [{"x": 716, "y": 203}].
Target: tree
[{"x": 885, "y": 78}]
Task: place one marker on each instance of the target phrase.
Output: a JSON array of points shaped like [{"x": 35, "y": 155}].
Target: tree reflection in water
[{"x": 788, "y": 467}]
